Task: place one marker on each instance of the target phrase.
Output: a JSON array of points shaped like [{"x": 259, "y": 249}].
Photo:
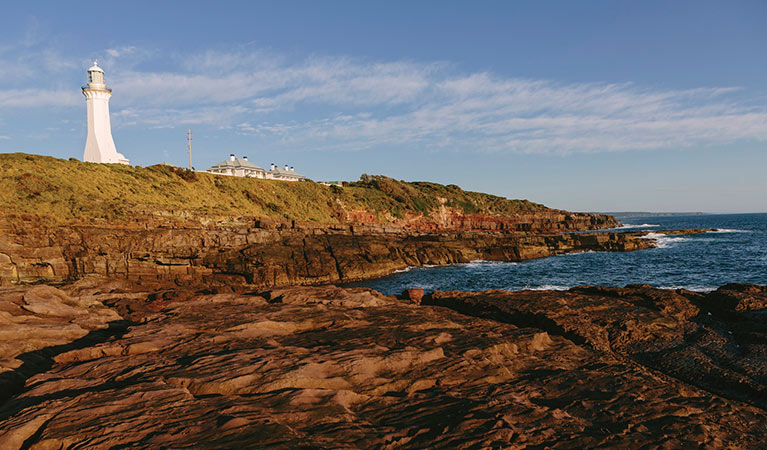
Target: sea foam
[
  {"x": 484, "y": 263},
  {"x": 548, "y": 287},
  {"x": 691, "y": 288},
  {"x": 662, "y": 240},
  {"x": 644, "y": 225}
]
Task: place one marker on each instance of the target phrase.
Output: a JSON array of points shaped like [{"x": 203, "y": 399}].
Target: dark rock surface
[
  {"x": 704, "y": 340},
  {"x": 738, "y": 297},
  {"x": 326, "y": 367}
]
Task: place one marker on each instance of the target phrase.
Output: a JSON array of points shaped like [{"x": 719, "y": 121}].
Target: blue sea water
[{"x": 737, "y": 252}]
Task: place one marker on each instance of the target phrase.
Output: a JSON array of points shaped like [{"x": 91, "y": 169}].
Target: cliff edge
[
  {"x": 58, "y": 191},
  {"x": 62, "y": 220}
]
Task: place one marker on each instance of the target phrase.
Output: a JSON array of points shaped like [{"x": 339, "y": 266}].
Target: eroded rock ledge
[
  {"x": 267, "y": 254},
  {"x": 326, "y": 367}
]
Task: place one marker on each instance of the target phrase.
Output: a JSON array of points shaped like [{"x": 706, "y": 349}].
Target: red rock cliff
[{"x": 270, "y": 253}]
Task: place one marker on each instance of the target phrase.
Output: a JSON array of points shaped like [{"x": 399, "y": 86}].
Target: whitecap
[
  {"x": 576, "y": 253},
  {"x": 729, "y": 230},
  {"x": 662, "y": 240},
  {"x": 691, "y": 288},
  {"x": 406, "y": 269},
  {"x": 424, "y": 286},
  {"x": 548, "y": 287},
  {"x": 643, "y": 225},
  {"x": 485, "y": 263}
]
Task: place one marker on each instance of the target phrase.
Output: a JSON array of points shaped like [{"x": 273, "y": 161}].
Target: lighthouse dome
[
  {"x": 96, "y": 77},
  {"x": 95, "y": 67}
]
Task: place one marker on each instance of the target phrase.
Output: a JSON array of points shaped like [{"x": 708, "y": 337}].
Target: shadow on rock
[{"x": 39, "y": 361}]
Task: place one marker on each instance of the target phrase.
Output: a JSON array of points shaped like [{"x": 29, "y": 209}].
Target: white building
[
  {"x": 238, "y": 167},
  {"x": 241, "y": 167},
  {"x": 287, "y": 174},
  {"x": 99, "y": 147}
]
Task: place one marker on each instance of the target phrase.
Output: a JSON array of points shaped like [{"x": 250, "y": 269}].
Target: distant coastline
[{"x": 623, "y": 214}]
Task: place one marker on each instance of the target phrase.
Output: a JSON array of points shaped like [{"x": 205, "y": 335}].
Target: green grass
[
  {"x": 60, "y": 190},
  {"x": 424, "y": 197}
]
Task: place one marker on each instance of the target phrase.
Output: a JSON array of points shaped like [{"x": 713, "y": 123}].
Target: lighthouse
[{"x": 99, "y": 147}]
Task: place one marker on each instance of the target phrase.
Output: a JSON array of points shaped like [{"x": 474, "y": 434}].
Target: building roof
[
  {"x": 285, "y": 173},
  {"x": 238, "y": 163}
]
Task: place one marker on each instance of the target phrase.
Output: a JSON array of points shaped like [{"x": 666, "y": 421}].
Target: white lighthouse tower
[{"x": 99, "y": 147}]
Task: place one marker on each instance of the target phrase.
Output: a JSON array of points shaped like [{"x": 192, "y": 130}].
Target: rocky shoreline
[
  {"x": 168, "y": 332},
  {"x": 111, "y": 363},
  {"x": 265, "y": 253},
  {"x": 156, "y": 308}
]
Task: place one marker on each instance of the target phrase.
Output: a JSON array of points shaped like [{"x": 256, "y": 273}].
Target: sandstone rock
[
  {"x": 36, "y": 322},
  {"x": 270, "y": 253},
  {"x": 665, "y": 330},
  {"x": 327, "y": 295},
  {"x": 414, "y": 295},
  {"x": 325, "y": 367},
  {"x": 49, "y": 301},
  {"x": 8, "y": 272}
]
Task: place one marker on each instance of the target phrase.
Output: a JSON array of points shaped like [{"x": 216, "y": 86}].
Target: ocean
[{"x": 736, "y": 252}]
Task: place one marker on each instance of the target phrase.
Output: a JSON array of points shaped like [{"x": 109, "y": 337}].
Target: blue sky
[{"x": 589, "y": 106}]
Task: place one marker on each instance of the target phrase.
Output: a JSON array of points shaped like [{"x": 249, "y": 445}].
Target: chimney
[
  {"x": 245, "y": 158},
  {"x": 291, "y": 169},
  {"x": 231, "y": 157},
  {"x": 286, "y": 167},
  {"x": 273, "y": 166}
]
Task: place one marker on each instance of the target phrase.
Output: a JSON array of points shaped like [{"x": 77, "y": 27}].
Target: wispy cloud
[
  {"x": 352, "y": 104},
  {"x": 117, "y": 52},
  {"x": 32, "y": 98}
]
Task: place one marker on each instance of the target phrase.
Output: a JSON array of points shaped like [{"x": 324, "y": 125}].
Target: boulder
[{"x": 414, "y": 295}]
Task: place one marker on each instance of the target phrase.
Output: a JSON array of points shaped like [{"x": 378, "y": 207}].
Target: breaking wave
[
  {"x": 576, "y": 253},
  {"x": 664, "y": 241},
  {"x": 548, "y": 287},
  {"x": 485, "y": 263},
  {"x": 691, "y": 288},
  {"x": 644, "y": 225}
]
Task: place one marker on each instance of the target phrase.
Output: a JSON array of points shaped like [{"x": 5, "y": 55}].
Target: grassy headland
[{"x": 63, "y": 190}]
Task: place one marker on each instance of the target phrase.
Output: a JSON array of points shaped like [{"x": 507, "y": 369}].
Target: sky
[{"x": 585, "y": 106}]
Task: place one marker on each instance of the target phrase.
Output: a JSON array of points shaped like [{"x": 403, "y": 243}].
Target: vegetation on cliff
[
  {"x": 58, "y": 189},
  {"x": 423, "y": 197}
]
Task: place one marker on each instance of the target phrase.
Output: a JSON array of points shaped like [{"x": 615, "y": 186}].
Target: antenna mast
[{"x": 189, "y": 145}]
